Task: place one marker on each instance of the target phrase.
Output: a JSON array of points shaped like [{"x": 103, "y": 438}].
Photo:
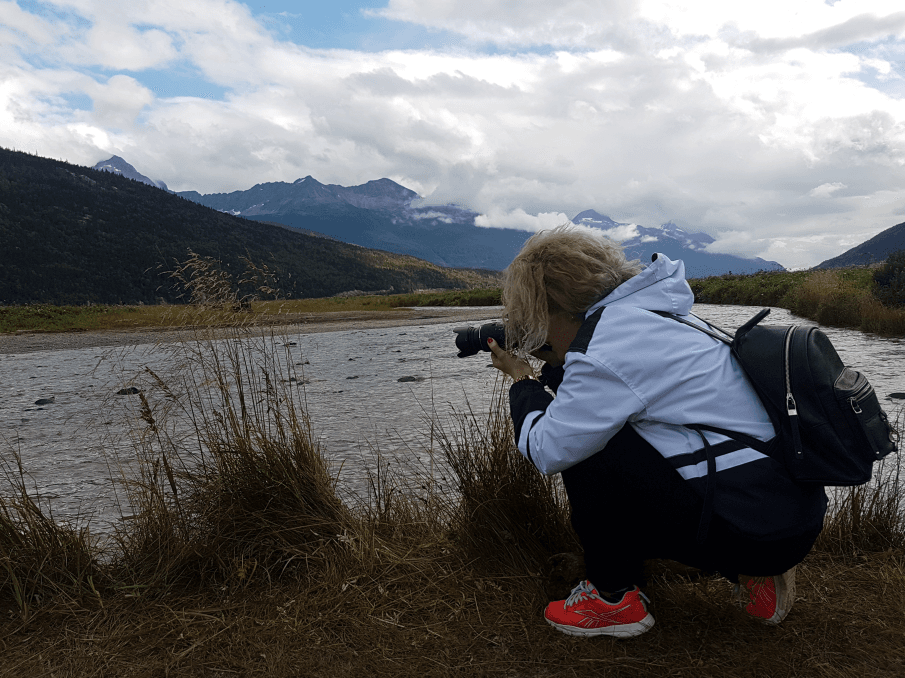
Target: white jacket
[
  {"x": 652, "y": 372},
  {"x": 628, "y": 365}
]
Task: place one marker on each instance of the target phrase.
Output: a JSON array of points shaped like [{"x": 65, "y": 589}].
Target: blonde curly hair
[{"x": 563, "y": 270}]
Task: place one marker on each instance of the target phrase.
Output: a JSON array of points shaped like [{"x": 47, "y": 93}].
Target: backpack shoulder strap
[
  {"x": 724, "y": 337},
  {"x": 764, "y": 447},
  {"x": 750, "y": 441}
]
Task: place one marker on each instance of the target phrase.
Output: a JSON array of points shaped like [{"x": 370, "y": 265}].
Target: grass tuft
[
  {"x": 509, "y": 516},
  {"x": 43, "y": 560}
]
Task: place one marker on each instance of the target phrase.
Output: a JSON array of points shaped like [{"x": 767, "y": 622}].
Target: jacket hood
[{"x": 659, "y": 287}]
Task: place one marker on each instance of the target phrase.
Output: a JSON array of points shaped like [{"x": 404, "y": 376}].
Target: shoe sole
[
  {"x": 620, "y": 631},
  {"x": 785, "y": 597}
]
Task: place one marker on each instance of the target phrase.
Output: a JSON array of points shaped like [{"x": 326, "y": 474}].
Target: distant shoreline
[{"x": 305, "y": 323}]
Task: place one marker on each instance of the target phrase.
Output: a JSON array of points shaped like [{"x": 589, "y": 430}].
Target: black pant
[{"x": 630, "y": 505}]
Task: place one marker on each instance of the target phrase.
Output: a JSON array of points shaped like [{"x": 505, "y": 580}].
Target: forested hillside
[
  {"x": 72, "y": 235},
  {"x": 871, "y": 251}
]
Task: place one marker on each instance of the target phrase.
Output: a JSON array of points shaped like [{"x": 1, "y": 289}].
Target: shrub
[{"x": 890, "y": 280}]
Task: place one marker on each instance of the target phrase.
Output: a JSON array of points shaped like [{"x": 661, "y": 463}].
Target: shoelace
[
  {"x": 586, "y": 590},
  {"x": 580, "y": 592}
]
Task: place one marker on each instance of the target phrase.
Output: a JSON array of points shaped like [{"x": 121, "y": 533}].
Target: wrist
[{"x": 523, "y": 377}]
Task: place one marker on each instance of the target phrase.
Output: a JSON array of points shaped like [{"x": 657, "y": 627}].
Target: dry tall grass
[
  {"x": 243, "y": 560},
  {"x": 829, "y": 298},
  {"x": 242, "y": 557},
  {"x": 44, "y": 560}
]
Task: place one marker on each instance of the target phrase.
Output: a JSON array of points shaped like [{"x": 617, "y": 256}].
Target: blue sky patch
[
  {"x": 343, "y": 24},
  {"x": 179, "y": 82}
]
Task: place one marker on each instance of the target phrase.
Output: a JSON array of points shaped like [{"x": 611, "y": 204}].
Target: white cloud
[
  {"x": 519, "y": 219},
  {"x": 590, "y": 22},
  {"x": 568, "y": 22},
  {"x": 622, "y": 232},
  {"x": 736, "y": 119},
  {"x": 18, "y": 27},
  {"x": 826, "y": 190}
]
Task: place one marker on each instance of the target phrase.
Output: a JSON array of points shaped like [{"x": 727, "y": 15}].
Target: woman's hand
[{"x": 508, "y": 363}]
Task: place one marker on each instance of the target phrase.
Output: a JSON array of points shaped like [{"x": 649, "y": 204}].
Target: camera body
[{"x": 470, "y": 340}]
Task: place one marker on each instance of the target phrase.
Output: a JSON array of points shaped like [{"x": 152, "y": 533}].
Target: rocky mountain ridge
[
  {"x": 117, "y": 165},
  {"x": 382, "y": 214}
]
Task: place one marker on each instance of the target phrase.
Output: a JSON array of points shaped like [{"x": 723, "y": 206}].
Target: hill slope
[
  {"x": 870, "y": 251},
  {"x": 73, "y": 235}
]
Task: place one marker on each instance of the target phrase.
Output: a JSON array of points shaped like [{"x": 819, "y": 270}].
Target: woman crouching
[{"x": 628, "y": 381}]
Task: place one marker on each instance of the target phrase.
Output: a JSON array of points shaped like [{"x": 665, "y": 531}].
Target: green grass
[
  {"x": 48, "y": 318},
  {"x": 474, "y": 297},
  {"x": 767, "y": 288}
]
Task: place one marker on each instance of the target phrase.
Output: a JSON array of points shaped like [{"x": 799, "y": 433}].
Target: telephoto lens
[{"x": 470, "y": 340}]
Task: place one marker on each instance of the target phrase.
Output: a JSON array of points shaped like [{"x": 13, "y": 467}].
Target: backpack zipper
[{"x": 791, "y": 408}]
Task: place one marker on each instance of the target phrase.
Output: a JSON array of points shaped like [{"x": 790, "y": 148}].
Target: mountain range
[
  {"x": 379, "y": 214},
  {"x": 382, "y": 214},
  {"x": 73, "y": 236},
  {"x": 676, "y": 243}
]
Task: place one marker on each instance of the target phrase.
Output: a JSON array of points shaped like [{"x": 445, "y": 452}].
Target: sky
[{"x": 777, "y": 126}]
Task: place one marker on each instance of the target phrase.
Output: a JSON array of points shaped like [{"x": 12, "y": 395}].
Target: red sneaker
[
  {"x": 585, "y": 613},
  {"x": 768, "y": 598}
]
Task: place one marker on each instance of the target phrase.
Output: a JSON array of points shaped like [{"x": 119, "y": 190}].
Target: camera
[{"x": 470, "y": 340}]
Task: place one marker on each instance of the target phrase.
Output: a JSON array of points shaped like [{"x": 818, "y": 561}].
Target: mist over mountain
[
  {"x": 382, "y": 214},
  {"x": 870, "y": 251},
  {"x": 641, "y": 242}
]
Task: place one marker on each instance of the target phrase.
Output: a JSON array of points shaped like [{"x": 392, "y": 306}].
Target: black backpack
[{"x": 827, "y": 416}]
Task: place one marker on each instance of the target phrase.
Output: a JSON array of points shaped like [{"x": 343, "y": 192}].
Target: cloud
[
  {"x": 569, "y": 22},
  {"x": 118, "y": 102},
  {"x": 858, "y": 28},
  {"x": 519, "y": 219},
  {"x": 623, "y": 232},
  {"x": 826, "y": 190},
  {"x": 767, "y": 25},
  {"x": 20, "y": 28},
  {"x": 642, "y": 110}
]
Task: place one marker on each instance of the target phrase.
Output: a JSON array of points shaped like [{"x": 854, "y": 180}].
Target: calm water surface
[{"x": 348, "y": 380}]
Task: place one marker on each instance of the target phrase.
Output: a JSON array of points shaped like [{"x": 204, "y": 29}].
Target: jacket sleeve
[
  {"x": 551, "y": 377},
  {"x": 590, "y": 407}
]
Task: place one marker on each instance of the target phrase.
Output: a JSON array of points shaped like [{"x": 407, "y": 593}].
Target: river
[{"x": 74, "y": 448}]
